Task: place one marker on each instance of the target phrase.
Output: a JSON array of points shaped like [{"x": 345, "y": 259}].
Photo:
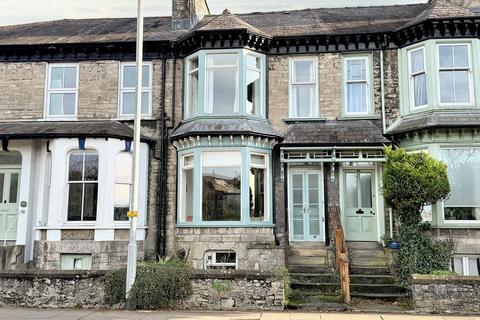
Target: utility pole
[{"x": 133, "y": 213}]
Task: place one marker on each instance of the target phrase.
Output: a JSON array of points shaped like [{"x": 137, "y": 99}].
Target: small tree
[{"x": 412, "y": 181}]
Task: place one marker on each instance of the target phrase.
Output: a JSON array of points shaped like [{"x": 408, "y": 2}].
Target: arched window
[
  {"x": 82, "y": 186},
  {"x": 123, "y": 186}
]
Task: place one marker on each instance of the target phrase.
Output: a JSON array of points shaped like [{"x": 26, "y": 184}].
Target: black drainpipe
[{"x": 161, "y": 178}]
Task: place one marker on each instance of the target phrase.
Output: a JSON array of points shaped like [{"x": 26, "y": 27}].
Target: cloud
[{"x": 23, "y": 11}]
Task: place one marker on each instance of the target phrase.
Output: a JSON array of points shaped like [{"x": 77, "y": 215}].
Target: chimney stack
[{"x": 187, "y": 13}]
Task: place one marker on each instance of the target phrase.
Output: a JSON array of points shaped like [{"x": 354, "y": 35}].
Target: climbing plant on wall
[{"x": 412, "y": 181}]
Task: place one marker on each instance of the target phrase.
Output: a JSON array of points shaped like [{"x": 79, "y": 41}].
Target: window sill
[
  {"x": 290, "y": 120},
  {"x": 74, "y": 118},
  {"x": 86, "y": 227},
  {"x": 206, "y": 225},
  {"x": 133, "y": 118},
  {"x": 359, "y": 117}
]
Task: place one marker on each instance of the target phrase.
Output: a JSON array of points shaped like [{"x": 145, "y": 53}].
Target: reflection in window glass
[
  {"x": 128, "y": 85},
  {"x": 351, "y": 189},
  {"x": 257, "y": 194},
  {"x": 123, "y": 183},
  {"x": 463, "y": 202},
  {"x": 303, "y": 84},
  {"x": 62, "y": 90},
  {"x": 192, "y": 103},
  {"x": 13, "y": 196},
  {"x": 454, "y": 73},
  {"x": 366, "y": 189},
  {"x": 222, "y": 84},
  {"x": 253, "y": 85},
  {"x": 418, "y": 78}
]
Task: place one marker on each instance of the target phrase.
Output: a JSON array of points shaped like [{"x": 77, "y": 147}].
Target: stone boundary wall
[
  {"x": 446, "y": 294},
  {"x": 212, "y": 290}
]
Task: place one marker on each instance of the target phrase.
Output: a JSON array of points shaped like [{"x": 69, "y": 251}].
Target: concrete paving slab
[
  {"x": 275, "y": 316},
  {"x": 305, "y": 316}
]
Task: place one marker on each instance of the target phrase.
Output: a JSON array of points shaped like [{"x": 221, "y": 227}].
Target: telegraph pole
[{"x": 133, "y": 213}]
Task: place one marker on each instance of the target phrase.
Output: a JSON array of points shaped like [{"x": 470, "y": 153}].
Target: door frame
[
  {"x": 378, "y": 204},
  {"x": 306, "y": 169}
]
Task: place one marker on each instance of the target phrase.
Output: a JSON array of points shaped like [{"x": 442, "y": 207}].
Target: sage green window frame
[
  {"x": 241, "y": 88},
  {"x": 434, "y": 149},
  {"x": 368, "y": 57},
  {"x": 431, "y": 69},
  {"x": 246, "y": 163}
]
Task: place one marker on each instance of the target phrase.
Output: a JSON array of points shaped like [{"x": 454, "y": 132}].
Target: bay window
[
  {"x": 229, "y": 187},
  {"x": 82, "y": 186},
  {"x": 463, "y": 203},
  {"x": 303, "y": 88},
  {"x": 62, "y": 91},
  {"x": 225, "y": 83},
  {"x": 454, "y": 73},
  {"x": 123, "y": 186},
  {"x": 357, "y": 85},
  {"x": 128, "y": 81},
  {"x": 418, "y": 78}
]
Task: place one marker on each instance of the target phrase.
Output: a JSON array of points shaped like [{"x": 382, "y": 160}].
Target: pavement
[{"x": 72, "y": 314}]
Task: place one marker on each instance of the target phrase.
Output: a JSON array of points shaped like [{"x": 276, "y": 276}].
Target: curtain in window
[
  {"x": 357, "y": 86},
  {"x": 417, "y": 66}
]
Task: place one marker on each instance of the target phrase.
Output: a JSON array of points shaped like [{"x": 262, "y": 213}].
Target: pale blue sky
[{"x": 22, "y": 11}]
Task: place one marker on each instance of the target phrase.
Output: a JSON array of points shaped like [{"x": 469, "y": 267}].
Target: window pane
[
  {"x": 304, "y": 96},
  {"x": 446, "y": 87},
  {"x": 446, "y": 56},
  {"x": 257, "y": 194},
  {"x": 90, "y": 202},
  {"x": 2, "y": 181},
  {"x": 458, "y": 265},
  {"x": 473, "y": 266},
  {"x": 123, "y": 169},
  {"x": 420, "y": 89},
  {"x": 357, "y": 98},
  {"x": 189, "y": 194},
  {"x": 69, "y": 104},
  {"x": 145, "y": 76},
  {"x": 188, "y": 160},
  {"x": 193, "y": 94},
  {"x": 13, "y": 188},
  {"x": 366, "y": 190},
  {"x": 75, "y": 167},
  {"x": 91, "y": 167},
  {"x": 253, "y": 92},
  {"x": 70, "y": 78},
  {"x": 357, "y": 69},
  {"x": 416, "y": 63},
  {"x": 129, "y": 76},
  {"x": 75, "y": 201},
  {"x": 56, "y": 78},
  {"x": 461, "y": 86},
  {"x": 258, "y": 159},
  {"x": 253, "y": 62},
  {"x": 222, "y": 89},
  {"x": 460, "y": 56},
  {"x": 145, "y": 102},
  {"x": 303, "y": 71},
  {"x": 120, "y": 214},
  {"x": 463, "y": 202},
  {"x": 128, "y": 103},
  {"x": 221, "y": 194},
  {"x": 56, "y": 102},
  {"x": 222, "y": 59},
  {"x": 122, "y": 195},
  {"x": 351, "y": 190}
]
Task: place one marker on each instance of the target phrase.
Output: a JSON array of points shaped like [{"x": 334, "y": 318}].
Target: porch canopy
[
  {"x": 66, "y": 129},
  {"x": 334, "y": 141}
]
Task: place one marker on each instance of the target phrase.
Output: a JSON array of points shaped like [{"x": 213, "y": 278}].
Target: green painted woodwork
[
  {"x": 9, "y": 189},
  {"x": 431, "y": 57}
]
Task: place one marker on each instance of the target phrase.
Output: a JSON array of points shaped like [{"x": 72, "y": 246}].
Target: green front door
[
  {"x": 306, "y": 205},
  {"x": 9, "y": 183},
  {"x": 359, "y": 216}
]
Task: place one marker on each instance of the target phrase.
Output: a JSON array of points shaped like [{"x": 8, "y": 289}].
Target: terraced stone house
[{"x": 257, "y": 128}]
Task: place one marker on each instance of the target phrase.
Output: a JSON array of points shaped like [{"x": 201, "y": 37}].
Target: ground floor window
[
  {"x": 224, "y": 186},
  {"x": 123, "y": 186},
  {"x": 463, "y": 203},
  {"x": 466, "y": 265},
  {"x": 82, "y": 186}
]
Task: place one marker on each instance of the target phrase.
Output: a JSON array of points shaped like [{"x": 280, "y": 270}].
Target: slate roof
[
  {"x": 335, "y": 132},
  {"x": 351, "y": 20},
  {"x": 225, "y": 126},
  {"x": 436, "y": 120},
  {"x": 66, "y": 129}
]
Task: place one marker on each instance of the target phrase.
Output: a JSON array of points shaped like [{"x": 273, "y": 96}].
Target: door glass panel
[
  {"x": 13, "y": 188},
  {"x": 297, "y": 211},
  {"x": 298, "y": 229},
  {"x": 351, "y": 190},
  {"x": 366, "y": 189},
  {"x": 314, "y": 227},
  {"x": 297, "y": 181},
  {"x": 2, "y": 181},
  {"x": 314, "y": 212}
]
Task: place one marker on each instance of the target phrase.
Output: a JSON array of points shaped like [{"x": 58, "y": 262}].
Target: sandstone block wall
[{"x": 446, "y": 294}]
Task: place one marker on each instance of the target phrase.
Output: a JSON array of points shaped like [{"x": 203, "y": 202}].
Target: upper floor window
[
  {"x": 418, "y": 78},
  {"x": 356, "y": 85},
  {"x": 82, "y": 186},
  {"x": 128, "y": 81},
  {"x": 225, "y": 83},
  {"x": 454, "y": 73},
  {"x": 62, "y": 91},
  {"x": 303, "y": 88}
]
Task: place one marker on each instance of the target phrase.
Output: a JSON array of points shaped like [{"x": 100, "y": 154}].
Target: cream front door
[
  {"x": 9, "y": 186},
  {"x": 359, "y": 212}
]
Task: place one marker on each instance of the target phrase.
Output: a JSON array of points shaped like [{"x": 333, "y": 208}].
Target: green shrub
[
  {"x": 157, "y": 285},
  {"x": 410, "y": 182}
]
